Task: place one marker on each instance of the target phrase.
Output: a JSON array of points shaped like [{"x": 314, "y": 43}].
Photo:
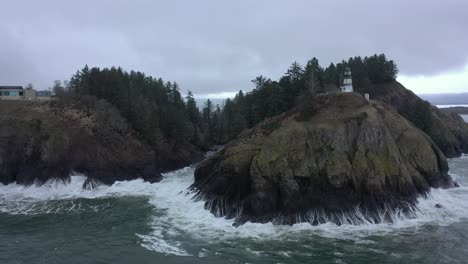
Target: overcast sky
[{"x": 216, "y": 47}]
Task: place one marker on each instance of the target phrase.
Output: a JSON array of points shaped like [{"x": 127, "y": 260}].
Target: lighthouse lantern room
[{"x": 347, "y": 86}]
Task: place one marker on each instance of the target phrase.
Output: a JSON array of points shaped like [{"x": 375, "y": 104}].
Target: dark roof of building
[
  {"x": 44, "y": 93},
  {"x": 11, "y": 87}
]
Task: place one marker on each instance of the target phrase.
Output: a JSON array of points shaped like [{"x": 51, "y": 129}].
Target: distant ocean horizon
[{"x": 454, "y": 105}]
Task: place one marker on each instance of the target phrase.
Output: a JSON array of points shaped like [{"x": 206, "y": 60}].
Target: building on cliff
[
  {"x": 347, "y": 86},
  {"x": 18, "y": 93},
  {"x": 11, "y": 92}
]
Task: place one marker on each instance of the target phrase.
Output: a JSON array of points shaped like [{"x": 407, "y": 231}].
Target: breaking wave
[{"x": 178, "y": 220}]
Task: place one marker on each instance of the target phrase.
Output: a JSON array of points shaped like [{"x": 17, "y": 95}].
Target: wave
[
  {"x": 186, "y": 218},
  {"x": 58, "y": 196},
  {"x": 179, "y": 217}
]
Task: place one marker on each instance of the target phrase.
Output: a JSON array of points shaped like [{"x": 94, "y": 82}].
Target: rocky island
[{"x": 347, "y": 161}]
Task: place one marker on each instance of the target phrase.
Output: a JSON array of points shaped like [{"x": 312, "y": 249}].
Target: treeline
[
  {"x": 161, "y": 115},
  {"x": 153, "y": 107},
  {"x": 270, "y": 98}
]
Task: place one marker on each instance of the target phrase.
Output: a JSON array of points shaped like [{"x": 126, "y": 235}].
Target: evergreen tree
[
  {"x": 295, "y": 76},
  {"x": 192, "y": 109},
  {"x": 207, "y": 116},
  {"x": 313, "y": 77},
  {"x": 207, "y": 111},
  {"x": 331, "y": 79}
]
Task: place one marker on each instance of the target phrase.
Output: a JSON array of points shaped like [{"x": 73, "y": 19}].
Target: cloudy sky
[{"x": 216, "y": 47}]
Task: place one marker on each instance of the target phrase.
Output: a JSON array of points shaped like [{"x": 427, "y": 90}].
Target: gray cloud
[{"x": 215, "y": 46}]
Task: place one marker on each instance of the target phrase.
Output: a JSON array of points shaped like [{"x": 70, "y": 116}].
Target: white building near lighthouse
[{"x": 347, "y": 86}]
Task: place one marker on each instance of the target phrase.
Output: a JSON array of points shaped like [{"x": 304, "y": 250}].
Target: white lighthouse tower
[{"x": 347, "y": 86}]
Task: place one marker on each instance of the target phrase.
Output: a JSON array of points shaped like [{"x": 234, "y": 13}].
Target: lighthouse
[{"x": 347, "y": 86}]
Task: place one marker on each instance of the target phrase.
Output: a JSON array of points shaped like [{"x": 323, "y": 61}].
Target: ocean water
[
  {"x": 465, "y": 117},
  {"x": 138, "y": 222}
]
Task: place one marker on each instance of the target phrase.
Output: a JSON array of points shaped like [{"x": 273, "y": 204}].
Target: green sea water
[{"x": 138, "y": 222}]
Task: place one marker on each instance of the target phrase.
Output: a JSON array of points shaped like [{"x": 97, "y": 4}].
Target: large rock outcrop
[
  {"x": 448, "y": 130},
  {"x": 39, "y": 142},
  {"x": 350, "y": 161}
]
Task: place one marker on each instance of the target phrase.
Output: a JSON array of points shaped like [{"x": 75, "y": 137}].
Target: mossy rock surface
[{"x": 350, "y": 153}]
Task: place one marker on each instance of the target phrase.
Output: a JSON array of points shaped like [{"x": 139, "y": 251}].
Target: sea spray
[{"x": 178, "y": 220}]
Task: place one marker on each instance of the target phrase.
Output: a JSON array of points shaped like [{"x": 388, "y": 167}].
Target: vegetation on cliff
[
  {"x": 270, "y": 98},
  {"x": 375, "y": 75},
  {"x": 155, "y": 109},
  {"x": 448, "y": 130},
  {"x": 167, "y": 122}
]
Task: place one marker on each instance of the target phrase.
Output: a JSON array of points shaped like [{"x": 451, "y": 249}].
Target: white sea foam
[
  {"x": 184, "y": 217},
  {"x": 179, "y": 219},
  {"x": 448, "y": 106}
]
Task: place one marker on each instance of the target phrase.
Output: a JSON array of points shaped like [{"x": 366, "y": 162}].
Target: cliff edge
[
  {"x": 448, "y": 130},
  {"x": 42, "y": 141}
]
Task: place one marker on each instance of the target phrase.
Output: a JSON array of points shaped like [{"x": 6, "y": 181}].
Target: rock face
[
  {"x": 448, "y": 130},
  {"x": 351, "y": 161},
  {"x": 39, "y": 142}
]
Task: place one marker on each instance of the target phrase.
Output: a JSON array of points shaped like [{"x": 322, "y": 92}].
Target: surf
[{"x": 177, "y": 216}]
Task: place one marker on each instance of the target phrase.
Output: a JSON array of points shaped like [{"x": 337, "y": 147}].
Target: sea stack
[{"x": 348, "y": 161}]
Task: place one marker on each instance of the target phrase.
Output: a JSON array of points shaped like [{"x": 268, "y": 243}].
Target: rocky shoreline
[{"x": 339, "y": 159}]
